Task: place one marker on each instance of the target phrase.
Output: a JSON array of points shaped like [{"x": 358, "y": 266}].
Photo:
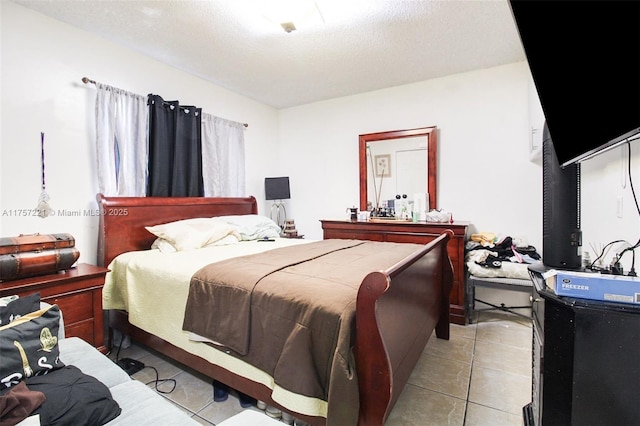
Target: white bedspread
[{"x": 153, "y": 288}]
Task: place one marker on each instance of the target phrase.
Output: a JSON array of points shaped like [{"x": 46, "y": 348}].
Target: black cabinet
[{"x": 586, "y": 361}]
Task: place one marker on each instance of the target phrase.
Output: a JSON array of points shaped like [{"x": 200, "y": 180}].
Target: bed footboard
[{"x": 397, "y": 310}]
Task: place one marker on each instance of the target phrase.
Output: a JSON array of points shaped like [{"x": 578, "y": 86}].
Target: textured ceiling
[{"x": 351, "y": 47}]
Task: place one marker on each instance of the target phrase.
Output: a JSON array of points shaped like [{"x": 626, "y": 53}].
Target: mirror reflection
[{"x": 398, "y": 172}]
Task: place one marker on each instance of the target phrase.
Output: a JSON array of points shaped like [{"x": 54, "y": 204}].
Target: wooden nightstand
[{"x": 78, "y": 293}]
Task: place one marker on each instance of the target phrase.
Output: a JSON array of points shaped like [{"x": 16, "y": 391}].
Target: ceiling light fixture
[
  {"x": 290, "y": 14},
  {"x": 288, "y": 26}
]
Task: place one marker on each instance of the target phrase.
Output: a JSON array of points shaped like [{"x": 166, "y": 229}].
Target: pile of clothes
[{"x": 491, "y": 255}]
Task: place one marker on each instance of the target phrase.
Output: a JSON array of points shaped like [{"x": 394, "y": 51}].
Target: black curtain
[{"x": 175, "y": 149}]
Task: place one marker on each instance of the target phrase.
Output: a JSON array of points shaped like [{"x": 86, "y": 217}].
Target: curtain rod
[{"x": 85, "y": 80}]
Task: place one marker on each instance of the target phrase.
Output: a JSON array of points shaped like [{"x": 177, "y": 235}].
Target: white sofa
[
  {"x": 140, "y": 404},
  {"x": 28, "y": 349}
]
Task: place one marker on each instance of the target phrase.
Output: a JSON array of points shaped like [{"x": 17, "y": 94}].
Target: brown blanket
[{"x": 290, "y": 311}]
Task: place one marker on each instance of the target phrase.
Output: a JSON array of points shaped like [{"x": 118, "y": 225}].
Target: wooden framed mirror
[{"x": 398, "y": 162}]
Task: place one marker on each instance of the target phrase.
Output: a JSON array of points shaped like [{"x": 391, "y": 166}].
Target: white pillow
[
  {"x": 166, "y": 247},
  {"x": 253, "y": 226},
  {"x": 189, "y": 234},
  {"x": 163, "y": 245},
  {"x": 233, "y": 238}
]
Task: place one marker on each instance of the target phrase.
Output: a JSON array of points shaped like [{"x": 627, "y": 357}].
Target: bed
[{"x": 395, "y": 309}]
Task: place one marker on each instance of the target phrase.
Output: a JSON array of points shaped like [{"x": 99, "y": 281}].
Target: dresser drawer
[
  {"x": 353, "y": 235},
  {"x": 74, "y": 307},
  {"x": 409, "y": 238}
]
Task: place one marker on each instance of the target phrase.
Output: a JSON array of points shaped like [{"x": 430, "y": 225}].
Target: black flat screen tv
[
  {"x": 561, "y": 228},
  {"x": 584, "y": 58}
]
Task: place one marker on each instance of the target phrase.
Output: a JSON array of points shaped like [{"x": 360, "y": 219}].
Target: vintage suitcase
[
  {"x": 14, "y": 266},
  {"x": 35, "y": 242}
]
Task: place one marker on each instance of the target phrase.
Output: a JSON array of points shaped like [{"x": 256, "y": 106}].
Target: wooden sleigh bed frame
[{"x": 391, "y": 328}]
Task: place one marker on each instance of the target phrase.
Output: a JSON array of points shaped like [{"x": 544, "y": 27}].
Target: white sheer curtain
[
  {"x": 223, "y": 170},
  {"x": 121, "y": 141}
]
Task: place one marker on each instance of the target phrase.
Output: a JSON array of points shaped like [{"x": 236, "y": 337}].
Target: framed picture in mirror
[{"x": 383, "y": 165}]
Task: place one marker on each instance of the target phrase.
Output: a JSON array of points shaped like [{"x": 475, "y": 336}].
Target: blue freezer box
[{"x": 594, "y": 286}]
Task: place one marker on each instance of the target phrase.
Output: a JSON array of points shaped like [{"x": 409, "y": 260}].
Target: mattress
[{"x": 153, "y": 288}]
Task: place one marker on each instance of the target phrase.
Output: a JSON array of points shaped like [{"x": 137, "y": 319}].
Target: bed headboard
[{"x": 122, "y": 219}]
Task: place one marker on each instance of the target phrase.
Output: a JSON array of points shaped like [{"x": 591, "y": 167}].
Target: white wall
[
  {"x": 484, "y": 172},
  {"x": 43, "y": 61},
  {"x": 487, "y": 175},
  {"x": 605, "y": 184}
]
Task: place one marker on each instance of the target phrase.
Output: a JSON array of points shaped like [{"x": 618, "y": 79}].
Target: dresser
[
  {"x": 409, "y": 232},
  {"x": 78, "y": 293},
  {"x": 586, "y": 360}
]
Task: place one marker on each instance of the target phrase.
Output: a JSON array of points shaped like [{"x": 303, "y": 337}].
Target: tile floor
[{"x": 481, "y": 376}]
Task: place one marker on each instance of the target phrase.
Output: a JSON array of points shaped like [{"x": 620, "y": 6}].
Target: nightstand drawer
[
  {"x": 74, "y": 307},
  {"x": 78, "y": 293},
  {"x": 83, "y": 329}
]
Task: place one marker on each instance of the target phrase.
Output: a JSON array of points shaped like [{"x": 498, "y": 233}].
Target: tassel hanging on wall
[{"x": 43, "y": 208}]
